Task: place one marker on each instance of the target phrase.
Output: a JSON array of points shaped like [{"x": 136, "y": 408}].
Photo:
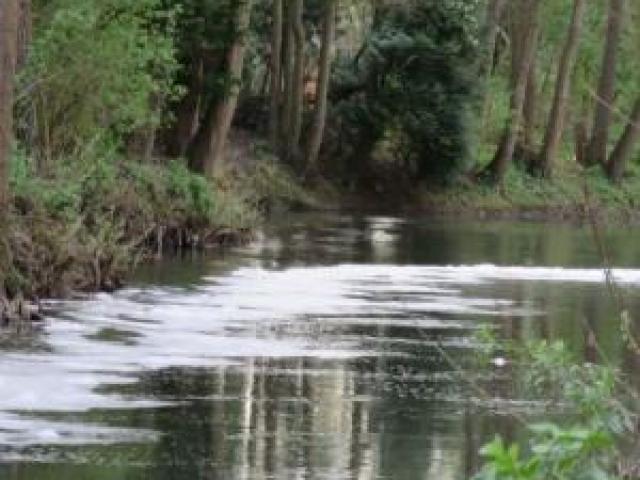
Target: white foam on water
[{"x": 251, "y": 312}]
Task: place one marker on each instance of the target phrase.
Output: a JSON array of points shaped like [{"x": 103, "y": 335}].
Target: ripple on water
[{"x": 251, "y": 312}]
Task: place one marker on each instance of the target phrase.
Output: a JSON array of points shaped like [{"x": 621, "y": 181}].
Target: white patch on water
[{"x": 252, "y": 312}]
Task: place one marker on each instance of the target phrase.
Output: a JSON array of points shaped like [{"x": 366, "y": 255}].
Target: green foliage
[
  {"x": 93, "y": 218},
  {"x": 412, "y": 86},
  {"x": 571, "y": 194},
  {"x": 585, "y": 446},
  {"x": 556, "y": 453},
  {"x": 96, "y": 68}
]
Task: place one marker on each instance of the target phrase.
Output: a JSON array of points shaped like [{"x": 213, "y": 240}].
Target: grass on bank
[
  {"x": 571, "y": 194},
  {"x": 87, "y": 222}
]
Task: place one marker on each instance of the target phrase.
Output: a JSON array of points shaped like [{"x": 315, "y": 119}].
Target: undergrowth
[
  {"x": 595, "y": 412},
  {"x": 570, "y": 195},
  {"x": 90, "y": 220}
]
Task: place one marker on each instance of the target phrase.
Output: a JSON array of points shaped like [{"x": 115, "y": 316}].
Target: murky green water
[{"x": 314, "y": 353}]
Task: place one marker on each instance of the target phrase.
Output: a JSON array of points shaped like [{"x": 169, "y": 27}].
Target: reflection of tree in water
[
  {"x": 400, "y": 416},
  {"x": 275, "y": 417}
]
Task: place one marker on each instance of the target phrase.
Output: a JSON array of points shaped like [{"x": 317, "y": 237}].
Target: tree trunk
[
  {"x": 581, "y": 137},
  {"x": 25, "y": 31},
  {"x": 495, "y": 9},
  {"x": 276, "y": 73},
  {"x": 504, "y": 156},
  {"x": 298, "y": 79},
  {"x": 491, "y": 28},
  {"x": 210, "y": 158},
  {"x": 625, "y": 146},
  {"x": 525, "y": 144},
  {"x": 555, "y": 125},
  {"x": 597, "y": 150},
  {"x": 288, "y": 50},
  {"x": 8, "y": 56},
  {"x": 188, "y": 111},
  {"x": 326, "y": 56}
]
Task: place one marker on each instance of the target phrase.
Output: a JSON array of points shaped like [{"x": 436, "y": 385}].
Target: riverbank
[
  {"x": 86, "y": 225},
  {"x": 578, "y": 196}
]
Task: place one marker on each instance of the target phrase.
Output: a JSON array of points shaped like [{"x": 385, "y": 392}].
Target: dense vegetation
[
  {"x": 456, "y": 104},
  {"x": 127, "y": 126},
  {"x": 445, "y": 99}
]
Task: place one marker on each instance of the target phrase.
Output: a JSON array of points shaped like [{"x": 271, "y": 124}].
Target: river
[{"x": 315, "y": 352}]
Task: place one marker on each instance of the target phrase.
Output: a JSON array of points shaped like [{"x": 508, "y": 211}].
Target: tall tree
[
  {"x": 297, "y": 109},
  {"x": 495, "y": 9},
  {"x": 525, "y": 54},
  {"x": 326, "y": 55},
  {"x": 555, "y": 124},
  {"x": 525, "y": 144},
  {"x": 597, "y": 149},
  {"x": 624, "y": 148},
  {"x": 188, "y": 109},
  {"x": 24, "y": 33},
  {"x": 9, "y": 14},
  {"x": 288, "y": 54},
  {"x": 276, "y": 72},
  {"x": 210, "y": 144}
]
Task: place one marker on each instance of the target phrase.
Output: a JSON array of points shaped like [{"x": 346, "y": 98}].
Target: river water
[{"x": 322, "y": 350}]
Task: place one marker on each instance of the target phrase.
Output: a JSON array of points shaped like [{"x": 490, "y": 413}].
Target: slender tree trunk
[
  {"x": 625, "y": 146},
  {"x": 298, "y": 79},
  {"x": 9, "y": 13},
  {"x": 25, "y": 31},
  {"x": 491, "y": 28},
  {"x": 287, "y": 81},
  {"x": 210, "y": 158},
  {"x": 495, "y": 9},
  {"x": 188, "y": 111},
  {"x": 8, "y": 56},
  {"x": 326, "y": 56},
  {"x": 581, "y": 137},
  {"x": 276, "y": 73},
  {"x": 525, "y": 144},
  {"x": 519, "y": 28},
  {"x": 597, "y": 150},
  {"x": 504, "y": 156},
  {"x": 555, "y": 125}
]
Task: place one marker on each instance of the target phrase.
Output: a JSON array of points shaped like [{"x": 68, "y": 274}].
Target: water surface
[{"x": 321, "y": 351}]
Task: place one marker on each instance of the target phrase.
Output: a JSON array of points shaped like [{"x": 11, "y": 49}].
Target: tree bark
[
  {"x": 555, "y": 125},
  {"x": 504, "y": 155},
  {"x": 210, "y": 158},
  {"x": 624, "y": 148},
  {"x": 326, "y": 57},
  {"x": 8, "y": 56},
  {"x": 188, "y": 111},
  {"x": 526, "y": 140},
  {"x": 597, "y": 150},
  {"x": 287, "y": 81},
  {"x": 298, "y": 79},
  {"x": 491, "y": 28},
  {"x": 276, "y": 73},
  {"x": 25, "y": 31},
  {"x": 9, "y": 13}
]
